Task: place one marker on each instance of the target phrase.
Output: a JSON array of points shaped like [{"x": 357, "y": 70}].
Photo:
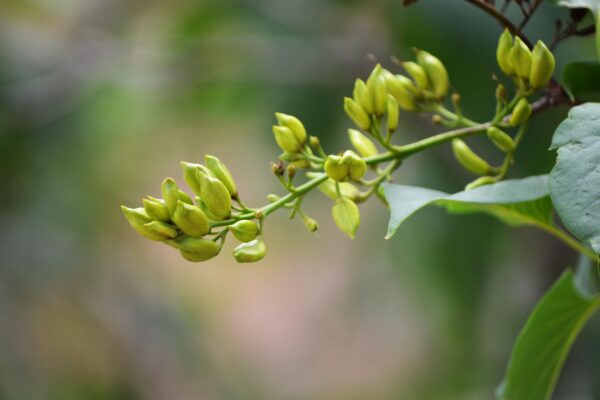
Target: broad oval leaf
[
  {"x": 575, "y": 179},
  {"x": 516, "y": 201},
  {"x": 582, "y": 79}
]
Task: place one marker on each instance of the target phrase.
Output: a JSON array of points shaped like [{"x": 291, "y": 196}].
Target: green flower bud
[
  {"x": 299, "y": 164},
  {"x": 197, "y": 249},
  {"x": 310, "y": 223},
  {"x": 162, "y": 229},
  {"x": 481, "y": 181},
  {"x": 362, "y": 143},
  {"x": 502, "y": 140},
  {"x": 191, "y": 220},
  {"x": 244, "y": 230},
  {"x": 221, "y": 172},
  {"x": 250, "y": 252},
  {"x": 156, "y": 210},
  {"x": 417, "y": 73},
  {"x": 362, "y": 96},
  {"x": 272, "y": 198},
  {"x": 436, "y": 73},
  {"x": 335, "y": 169},
  {"x": 286, "y": 139},
  {"x": 138, "y": 218},
  {"x": 190, "y": 175},
  {"x": 346, "y": 216},
  {"x": 356, "y": 166},
  {"x": 378, "y": 92},
  {"x": 403, "y": 90},
  {"x": 294, "y": 125},
  {"x": 468, "y": 159},
  {"x": 183, "y": 196},
  {"x": 357, "y": 114},
  {"x": 170, "y": 193},
  {"x": 328, "y": 188},
  {"x": 501, "y": 93},
  {"x": 520, "y": 57},
  {"x": 521, "y": 113},
  {"x": 393, "y": 113},
  {"x": 542, "y": 66},
  {"x": 503, "y": 53},
  {"x": 215, "y": 196}
]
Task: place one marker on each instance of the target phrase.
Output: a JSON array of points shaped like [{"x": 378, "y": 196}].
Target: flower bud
[
  {"x": 244, "y": 230},
  {"x": 520, "y": 57},
  {"x": 346, "y": 216},
  {"x": 481, "y": 181},
  {"x": 190, "y": 175},
  {"x": 163, "y": 229},
  {"x": 403, "y": 90},
  {"x": 291, "y": 171},
  {"x": 299, "y": 164},
  {"x": 378, "y": 92},
  {"x": 314, "y": 142},
  {"x": 183, "y": 196},
  {"x": 335, "y": 169},
  {"x": 521, "y": 113},
  {"x": 436, "y": 73},
  {"x": 272, "y": 198},
  {"x": 502, "y": 140},
  {"x": 191, "y": 220},
  {"x": 417, "y": 73},
  {"x": 393, "y": 113},
  {"x": 468, "y": 159},
  {"x": 215, "y": 196},
  {"x": 156, "y": 210},
  {"x": 221, "y": 172},
  {"x": 503, "y": 53},
  {"x": 328, "y": 188},
  {"x": 138, "y": 218},
  {"x": 310, "y": 223},
  {"x": 250, "y": 252},
  {"x": 362, "y": 96},
  {"x": 356, "y": 166},
  {"x": 294, "y": 125},
  {"x": 357, "y": 114},
  {"x": 197, "y": 249},
  {"x": 286, "y": 139},
  {"x": 542, "y": 66},
  {"x": 170, "y": 193},
  {"x": 501, "y": 93},
  {"x": 362, "y": 143}
]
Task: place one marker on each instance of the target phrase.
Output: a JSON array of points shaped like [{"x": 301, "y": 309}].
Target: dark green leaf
[{"x": 582, "y": 79}]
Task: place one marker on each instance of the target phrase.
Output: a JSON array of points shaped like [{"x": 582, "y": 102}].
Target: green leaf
[
  {"x": 593, "y": 6},
  {"x": 582, "y": 79},
  {"x": 543, "y": 344},
  {"x": 516, "y": 202},
  {"x": 575, "y": 179}
]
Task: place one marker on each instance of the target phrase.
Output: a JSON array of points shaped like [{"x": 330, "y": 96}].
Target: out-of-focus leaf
[
  {"x": 575, "y": 179},
  {"x": 593, "y": 6},
  {"x": 582, "y": 79},
  {"x": 517, "y": 202}
]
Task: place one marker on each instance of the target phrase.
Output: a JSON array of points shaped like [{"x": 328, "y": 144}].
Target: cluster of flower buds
[
  {"x": 530, "y": 69},
  {"x": 187, "y": 224}
]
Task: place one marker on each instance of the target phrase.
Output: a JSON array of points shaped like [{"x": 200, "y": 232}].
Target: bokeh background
[{"x": 101, "y": 99}]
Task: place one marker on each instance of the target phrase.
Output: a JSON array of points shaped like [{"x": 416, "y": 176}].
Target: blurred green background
[{"x": 101, "y": 99}]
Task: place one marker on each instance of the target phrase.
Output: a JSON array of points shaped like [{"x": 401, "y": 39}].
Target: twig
[{"x": 529, "y": 13}]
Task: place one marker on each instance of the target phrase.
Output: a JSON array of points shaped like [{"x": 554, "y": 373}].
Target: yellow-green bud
[
  {"x": 503, "y": 53},
  {"x": 183, "y": 196},
  {"x": 481, "y": 181},
  {"x": 298, "y": 164},
  {"x": 362, "y": 143},
  {"x": 501, "y": 139},
  {"x": 191, "y": 220},
  {"x": 468, "y": 159},
  {"x": 170, "y": 193},
  {"x": 362, "y": 96},
  {"x": 156, "y": 210},
  {"x": 250, "y": 252},
  {"x": 328, "y": 188},
  {"x": 215, "y": 196},
  {"x": 393, "y": 114},
  {"x": 286, "y": 139},
  {"x": 346, "y": 216},
  {"x": 244, "y": 230},
  {"x": 356, "y": 166},
  {"x": 378, "y": 92},
  {"x": 272, "y": 198},
  {"x": 310, "y": 223},
  {"x": 190, "y": 175},
  {"x": 417, "y": 73},
  {"x": 163, "y": 229},
  {"x": 357, "y": 114},
  {"x": 294, "y": 125},
  {"x": 501, "y": 93},
  {"x": 542, "y": 66},
  {"x": 138, "y": 218},
  {"x": 335, "y": 169},
  {"x": 220, "y": 171},
  {"x": 436, "y": 73},
  {"x": 403, "y": 90},
  {"x": 521, "y": 113},
  {"x": 197, "y": 249},
  {"x": 520, "y": 57}
]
